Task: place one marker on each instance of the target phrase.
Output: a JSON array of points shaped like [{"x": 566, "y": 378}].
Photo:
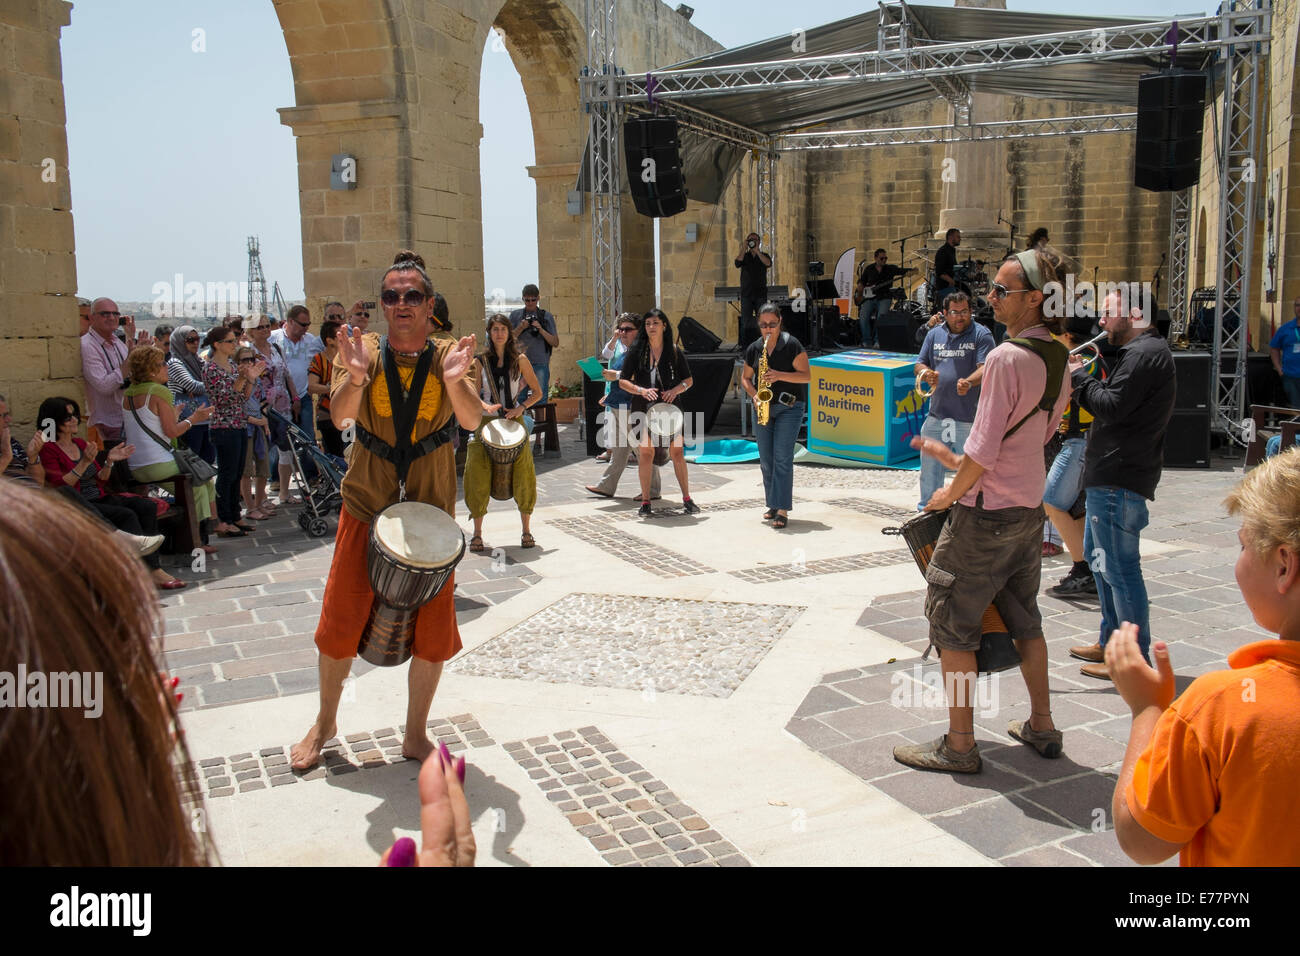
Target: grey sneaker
[
  {"x": 1046, "y": 742},
  {"x": 939, "y": 756}
]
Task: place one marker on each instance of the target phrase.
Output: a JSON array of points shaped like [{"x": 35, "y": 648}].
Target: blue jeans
[
  {"x": 868, "y": 313},
  {"x": 776, "y": 453},
  {"x": 1065, "y": 478},
  {"x": 1292, "y": 388},
  {"x": 1116, "y": 518},
  {"x": 933, "y": 474},
  {"x": 543, "y": 373}
]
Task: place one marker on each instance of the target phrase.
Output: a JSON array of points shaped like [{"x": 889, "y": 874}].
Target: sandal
[
  {"x": 527, "y": 541},
  {"x": 769, "y": 514},
  {"x": 780, "y": 521},
  {"x": 232, "y": 534},
  {"x": 476, "y": 544}
]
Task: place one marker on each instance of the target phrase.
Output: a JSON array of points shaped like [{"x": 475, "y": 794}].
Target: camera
[{"x": 751, "y": 243}]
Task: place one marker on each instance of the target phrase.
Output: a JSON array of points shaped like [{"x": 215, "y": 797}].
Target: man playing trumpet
[
  {"x": 951, "y": 365},
  {"x": 361, "y": 396}
]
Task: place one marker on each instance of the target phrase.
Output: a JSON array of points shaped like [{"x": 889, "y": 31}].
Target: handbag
[{"x": 187, "y": 462}]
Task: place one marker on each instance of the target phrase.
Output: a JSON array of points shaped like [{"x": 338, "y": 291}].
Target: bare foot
[
  {"x": 416, "y": 746},
  {"x": 306, "y": 754}
]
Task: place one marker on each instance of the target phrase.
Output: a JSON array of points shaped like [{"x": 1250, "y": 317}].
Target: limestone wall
[{"x": 39, "y": 353}]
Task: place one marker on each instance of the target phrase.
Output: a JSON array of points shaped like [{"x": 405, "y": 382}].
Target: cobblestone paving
[
  {"x": 868, "y": 507},
  {"x": 242, "y": 772},
  {"x": 1022, "y": 809},
  {"x": 808, "y": 569},
  {"x": 862, "y": 479},
  {"x": 620, "y": 543},
  {"x": 629, "y": 816},
  {"x": 656, "y": 645}
]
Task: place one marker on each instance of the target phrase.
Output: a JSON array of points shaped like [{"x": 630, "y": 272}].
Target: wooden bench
[
  {"x": 1270, "y": 420},
  {"x": 180, "y": 523}
]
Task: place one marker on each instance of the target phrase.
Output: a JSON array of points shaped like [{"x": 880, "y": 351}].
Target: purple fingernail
[
  {"x": 402, "y": 853},
  {"x": 460, "y": 768},
  {"x": 442, "y": 749}
]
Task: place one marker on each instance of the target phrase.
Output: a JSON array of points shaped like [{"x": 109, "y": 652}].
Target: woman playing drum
[
  {"x": 503, "y": 373},
  {"x": 655, "y": 371}
]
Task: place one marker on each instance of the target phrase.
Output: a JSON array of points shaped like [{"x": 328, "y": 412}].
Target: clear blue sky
[{"x": 177, "y": 156}]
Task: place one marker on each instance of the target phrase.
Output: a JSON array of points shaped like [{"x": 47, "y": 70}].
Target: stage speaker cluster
[
  {"x": 1187, "y": 439},
  {"x": 654, "y": 165},
  {"x": 695, "y": 337},
  {"x": 1171, "y": 110}
]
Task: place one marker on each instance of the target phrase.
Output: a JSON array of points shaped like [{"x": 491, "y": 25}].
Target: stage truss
[{"x": 1238, "y": 37}]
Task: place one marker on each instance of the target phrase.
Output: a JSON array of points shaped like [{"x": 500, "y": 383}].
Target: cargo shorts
[{"x": 982, "y": 558}]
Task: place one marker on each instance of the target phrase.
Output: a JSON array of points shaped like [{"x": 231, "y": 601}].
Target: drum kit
[
  {"x": 414, "y": 548},
  {"x": 971, "y": 278}
]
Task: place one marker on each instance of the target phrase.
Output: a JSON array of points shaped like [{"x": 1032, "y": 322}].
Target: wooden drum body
[
  {"x": 414, "y": 547},
  {"x": 997, "y": 651},
  {"x": 503, "y": 439},
  {"x": 664, "y": 421}
]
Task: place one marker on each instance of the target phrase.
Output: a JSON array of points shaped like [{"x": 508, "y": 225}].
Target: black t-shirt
[
  {"x": 669, "y": 373},
  {"x": 945, "y": 264},
  {"x": 782, "y": 360},
  {"x": 880, "y": 279},
  {"x": 753, "y": 275}
]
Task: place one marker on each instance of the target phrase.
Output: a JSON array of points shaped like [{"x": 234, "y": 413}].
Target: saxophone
[{"x": 763, "y": 395}]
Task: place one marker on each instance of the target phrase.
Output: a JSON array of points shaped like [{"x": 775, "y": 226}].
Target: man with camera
[
  {"x": 102, "y": 357},
  {"x": 753, "y": 264},
  {"x": 536, "y": 336}
]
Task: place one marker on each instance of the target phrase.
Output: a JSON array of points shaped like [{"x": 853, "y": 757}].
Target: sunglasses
[
  {"x": 628, "y": 328},
  {"x": 360, "y": 315},
  {"x": 191, "y": 338},
  {"x": 247, "y": 361},
  {"x": 999, "y": 290},
  {"x": 413, "y": 297}
]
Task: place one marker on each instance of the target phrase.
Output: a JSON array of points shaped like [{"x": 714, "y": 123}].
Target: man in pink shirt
[
  {"x": 102, "y": 355},
  {"x": 990, "y": 549}
]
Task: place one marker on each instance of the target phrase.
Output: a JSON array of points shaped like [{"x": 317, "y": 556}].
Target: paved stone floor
[{"x": 678, "y": 691}]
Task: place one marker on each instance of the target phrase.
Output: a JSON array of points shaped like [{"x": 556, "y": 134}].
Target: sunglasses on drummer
[
  {"x": 413, "y": 297},
  {"x": 999, "y": 290}
]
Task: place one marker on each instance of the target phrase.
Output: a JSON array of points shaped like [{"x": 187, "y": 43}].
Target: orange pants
[{"x": 348, "y": 599}]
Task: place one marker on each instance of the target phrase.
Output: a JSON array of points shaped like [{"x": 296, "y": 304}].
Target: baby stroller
[{"x": 324, "y": 494}]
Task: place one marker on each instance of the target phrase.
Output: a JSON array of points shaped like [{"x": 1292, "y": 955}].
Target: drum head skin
[
  {"x": 419, "y": 534},
  {"x": 503, "y": 433},
  {"x": 664, "y": 419}
]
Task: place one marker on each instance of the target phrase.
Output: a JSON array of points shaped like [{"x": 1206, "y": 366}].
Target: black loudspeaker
[
  {"x": 893, "y": 332},
  {"x": 1192, "y": 370},
  {"x": 695, "y": 337},
  {"x": 796, "y": 323},
  {"x": 654, "y": 165},
  {"x": 1171, "y": 108},
  {"x": 1187, "y": 439}
]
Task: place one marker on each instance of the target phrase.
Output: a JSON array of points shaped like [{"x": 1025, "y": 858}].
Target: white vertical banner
[{"x": 844, "y": 272}]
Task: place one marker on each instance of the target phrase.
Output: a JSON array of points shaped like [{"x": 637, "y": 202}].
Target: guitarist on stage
[{"x": 871, "y": 293}]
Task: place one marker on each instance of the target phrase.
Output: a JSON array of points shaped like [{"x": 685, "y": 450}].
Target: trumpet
[{"x": 1090, "y": 346}]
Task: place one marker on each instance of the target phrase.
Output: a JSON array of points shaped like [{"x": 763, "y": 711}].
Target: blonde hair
[
  {"x": 143, "y": 361},
  {"x": 1268, "y": 499}
]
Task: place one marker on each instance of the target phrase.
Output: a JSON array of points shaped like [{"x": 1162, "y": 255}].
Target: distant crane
[
  {"x": 280, "y": 305},
  {"x": 257, "y": 297}
]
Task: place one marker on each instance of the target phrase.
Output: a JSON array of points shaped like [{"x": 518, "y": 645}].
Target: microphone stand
[
  {"x": 1011, "y": 237},
  {"x": 814, "y": 313}
]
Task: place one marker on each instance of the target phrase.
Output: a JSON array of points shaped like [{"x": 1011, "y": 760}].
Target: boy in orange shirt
[{"x": 1213, "y": 777}]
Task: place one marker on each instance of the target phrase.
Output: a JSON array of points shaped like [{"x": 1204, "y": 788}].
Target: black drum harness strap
[{"x": 406, "y": 405}]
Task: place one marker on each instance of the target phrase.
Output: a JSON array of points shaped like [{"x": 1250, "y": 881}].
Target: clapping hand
[
  {"x": 200, "y": 415},
  {"x": 963, "y": 386},
  {"x": 352, "y": 353},
  {"x": 1140, "y": 684},
  {"x": 33, "y": 447},
  {"x": 120, "y": 453},
  {"x": 458, "y": 360}
]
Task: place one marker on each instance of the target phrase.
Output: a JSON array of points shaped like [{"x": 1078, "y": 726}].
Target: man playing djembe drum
[
  {"x": 360, "y": 395},
  {"x": 989, "y": 550}
]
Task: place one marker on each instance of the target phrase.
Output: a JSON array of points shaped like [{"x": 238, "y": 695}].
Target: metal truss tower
[
  {"x": 258, "y": 300},
  {"x": 600, "y": 102}
]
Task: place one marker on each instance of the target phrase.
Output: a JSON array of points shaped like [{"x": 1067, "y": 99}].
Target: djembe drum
[
  {"x": 664, "y": 420},
  {"x": 997, "y": 651},
  {"x": 503, "y": 439},
  {"x": 414, "y": 547}
]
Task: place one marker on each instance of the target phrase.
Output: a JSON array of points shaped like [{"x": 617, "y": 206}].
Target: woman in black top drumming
[
  {"x": 787, "y": 373},
  {"x": 656, "y": 372}
]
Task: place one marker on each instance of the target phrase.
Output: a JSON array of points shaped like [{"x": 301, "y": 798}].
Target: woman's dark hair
[
  {"x": 217, "y": 334},
  {"x": 329, "y": 329},
  {"x": 56, "y": 409},
  {"x": 511, "y": 350},
  {"x": 639, "y": 354},
  {"x": 103, "y": 782},
  {"x": 409, "y": 261},
  {"x": 441, "y": 313},
  {"x": 163, "y": 331},
  {"x": 1037, "y": 236}
]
